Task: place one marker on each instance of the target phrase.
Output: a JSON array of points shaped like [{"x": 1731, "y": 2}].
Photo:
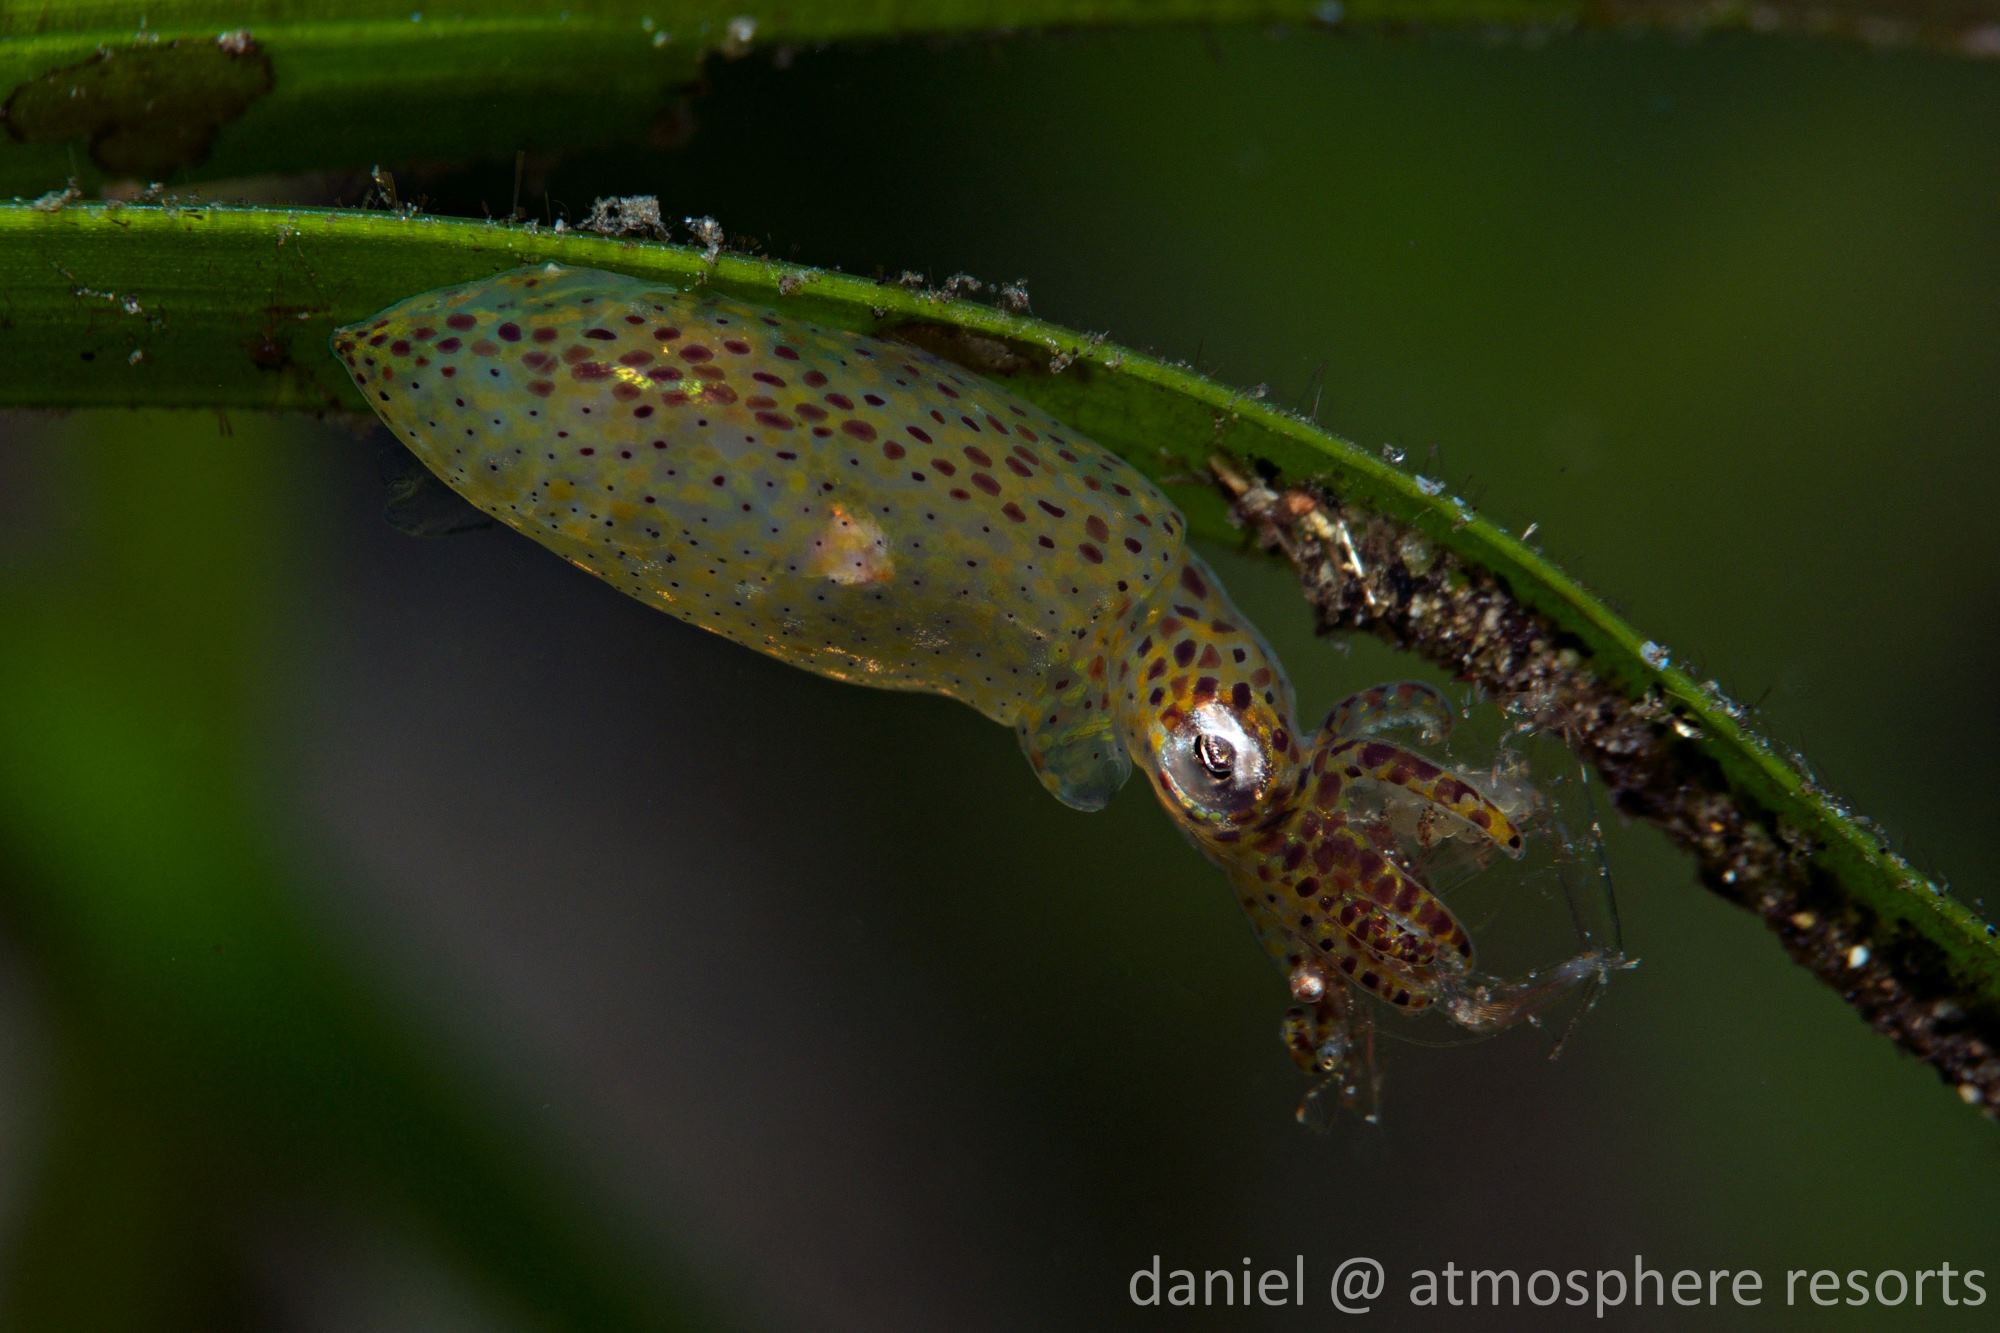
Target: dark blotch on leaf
[
  {"x": 143, "y": 110},
  {"x": 980, "y": 353}
]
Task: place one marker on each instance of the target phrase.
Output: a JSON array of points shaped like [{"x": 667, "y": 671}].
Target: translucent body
[
  {"x": 873, "y": 513},
  {"x": 857, "y": 508}
]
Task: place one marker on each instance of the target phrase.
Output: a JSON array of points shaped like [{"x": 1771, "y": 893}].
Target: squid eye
[
  {"x": 1213, "y": 767},
  {"x": 1217, "y": 756}
]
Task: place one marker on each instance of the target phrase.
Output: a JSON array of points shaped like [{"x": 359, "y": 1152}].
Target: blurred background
[{"x": 402, "y": 933}]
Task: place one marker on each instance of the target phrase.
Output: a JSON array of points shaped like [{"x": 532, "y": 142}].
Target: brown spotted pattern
[{"x": 852, "y": 506}]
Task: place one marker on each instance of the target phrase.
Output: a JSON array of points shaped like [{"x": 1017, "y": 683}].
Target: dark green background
[{"x": 809, "y": 995}]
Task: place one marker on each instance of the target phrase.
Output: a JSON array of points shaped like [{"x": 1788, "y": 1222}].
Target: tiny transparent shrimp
[{"x": 870, "y": 512}]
